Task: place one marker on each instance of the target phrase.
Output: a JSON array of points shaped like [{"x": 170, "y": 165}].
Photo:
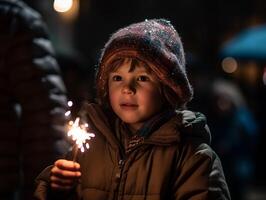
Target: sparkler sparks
[{"x": 78, "y": 133}]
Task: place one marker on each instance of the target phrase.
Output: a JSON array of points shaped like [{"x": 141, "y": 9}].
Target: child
[{"x": 144, "y": 148}]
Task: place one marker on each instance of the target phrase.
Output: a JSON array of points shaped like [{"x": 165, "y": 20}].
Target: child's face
[{"x": 134, "y": 95}]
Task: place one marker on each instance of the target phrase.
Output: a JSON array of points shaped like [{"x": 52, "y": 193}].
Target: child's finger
[
  {"x": 65, "y": 173},
  {"x": 56, "y": 186},
  {"x": 67, "y": 165},
  {"x": 62, "y": 181}
]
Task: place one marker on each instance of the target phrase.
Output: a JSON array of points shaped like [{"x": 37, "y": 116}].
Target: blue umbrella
[{"x": 248, "y": 44}]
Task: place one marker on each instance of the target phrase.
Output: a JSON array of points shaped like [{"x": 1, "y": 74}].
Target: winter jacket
[
  {"x": 172, "y": 163},
  {"x": 32, "y": 96}
]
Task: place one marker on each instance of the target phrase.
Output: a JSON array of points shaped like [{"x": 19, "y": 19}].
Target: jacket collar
[
  {"x": 193, "y": 126},
  {"x": 166, "y": 134},
  {"x": 98, "y": 121}
]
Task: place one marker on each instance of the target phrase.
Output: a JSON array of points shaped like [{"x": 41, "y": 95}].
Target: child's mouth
[{"x": 128, "y": 106}]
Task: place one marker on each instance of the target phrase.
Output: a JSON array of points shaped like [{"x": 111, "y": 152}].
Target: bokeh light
[
  {"x": 63, "y": 5},
  {"x": 229, "y": 65}
]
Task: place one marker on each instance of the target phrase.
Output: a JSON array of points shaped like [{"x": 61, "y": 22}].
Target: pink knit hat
[{"x": 155, "y": 41}]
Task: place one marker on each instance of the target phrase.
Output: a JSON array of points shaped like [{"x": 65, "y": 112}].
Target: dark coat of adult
[
  {"x": 32, "y": 97},
  {"x": 175, "y": 162}
]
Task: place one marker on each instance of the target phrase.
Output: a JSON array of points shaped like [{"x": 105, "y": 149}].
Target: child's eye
[
  {"x": 116, "y": 78},
  {"x": 143, "y": 78}
]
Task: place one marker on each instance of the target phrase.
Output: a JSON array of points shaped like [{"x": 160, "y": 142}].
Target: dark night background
[{"x": 205, "y": 26}]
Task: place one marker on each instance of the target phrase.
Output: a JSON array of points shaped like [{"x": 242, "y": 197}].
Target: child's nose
[{"x": 128, "y": 88}]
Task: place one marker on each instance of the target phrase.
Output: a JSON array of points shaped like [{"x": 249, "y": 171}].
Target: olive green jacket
[{"x": 174, "y": 162}]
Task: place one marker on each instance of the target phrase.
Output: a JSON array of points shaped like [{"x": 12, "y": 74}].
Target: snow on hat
[{"x": 155, "y": 41}]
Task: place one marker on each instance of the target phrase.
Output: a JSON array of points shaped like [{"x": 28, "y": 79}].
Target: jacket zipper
[
  {"x": 133, "y": 145},
  {"x": 118, "y": 177}
]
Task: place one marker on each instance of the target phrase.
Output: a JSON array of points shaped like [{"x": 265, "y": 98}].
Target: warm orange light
[
  {"x": 229, "y": 65},
  {"x": 63, "y": 5},
  {"x": 79, "y": 134}
]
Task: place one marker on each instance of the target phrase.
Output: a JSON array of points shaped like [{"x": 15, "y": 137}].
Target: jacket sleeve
[
  {"x": 42, "y": 184},
  {"x": 44, "y": 192},
  {"x": 200, "y": 175}
]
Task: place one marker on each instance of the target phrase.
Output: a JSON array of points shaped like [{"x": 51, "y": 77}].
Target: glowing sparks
[
  {"x": 67, "y": 113},
  {"x": 79, "y": 134},
  {"x": 70, "y": 103}
]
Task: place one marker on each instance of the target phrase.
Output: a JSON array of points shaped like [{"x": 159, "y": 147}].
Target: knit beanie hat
[{"x": 155, "y": 41}]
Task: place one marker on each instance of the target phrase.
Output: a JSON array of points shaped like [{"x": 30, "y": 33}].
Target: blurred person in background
[
  {"x": 235, "y": 135},
  {"x": 32, "y": 100},
  {"x": 235, "y": 131}
]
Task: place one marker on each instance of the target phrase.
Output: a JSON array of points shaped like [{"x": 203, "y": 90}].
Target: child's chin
[{"x": 130, "y": 120}]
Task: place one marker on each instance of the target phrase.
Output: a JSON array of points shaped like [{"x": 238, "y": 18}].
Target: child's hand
[{"x": 64, "y": 174}]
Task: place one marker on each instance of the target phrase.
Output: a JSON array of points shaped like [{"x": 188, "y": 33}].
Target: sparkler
[{"x": 78, "y": 133}]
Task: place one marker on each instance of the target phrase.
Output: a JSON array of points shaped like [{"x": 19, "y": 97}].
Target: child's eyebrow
[{"x": 114, "y": 72}]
